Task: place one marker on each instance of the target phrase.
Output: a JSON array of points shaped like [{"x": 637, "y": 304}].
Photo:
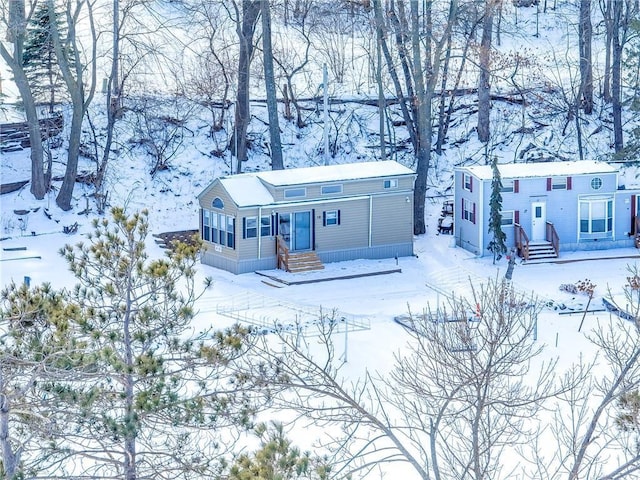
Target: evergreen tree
[
  {"x": 497, "y": 245},
  {"x": 37, "y": 350},
  {"x": 39, "y": 57},
  {"x": 156, "y": 398},
  {"x": 277, "y": 458}
]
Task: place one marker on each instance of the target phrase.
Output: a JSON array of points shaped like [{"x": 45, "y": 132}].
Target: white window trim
[
  {"x": 467, "y": 182},
  {"x": 390, "y": 183},
  {"x": 559, "y": 183},
  {"x": 334, "y": 219},
  {"x": 337, "y": 186},
  {"x": 511, "y": 215},
  {"x": 295, "y": 192}
]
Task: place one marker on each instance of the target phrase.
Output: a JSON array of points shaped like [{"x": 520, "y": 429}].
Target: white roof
[
  {"x": 542, "y": 169},
  {"x": 248, "y": 189},
  {"x": 334, "y": 173}
]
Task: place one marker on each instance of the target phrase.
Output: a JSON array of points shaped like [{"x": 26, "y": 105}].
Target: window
[
  {"x": 507, "y": 186},
  {"x": 507, "y": 218},
  {"x": 217, "y": 203},
  {"x": 218, "y": 228},
  {"x": 596, "y": 217},
  {"x": 295, "y": 192},
  {"x": 265, "y": 226},
  {"x": 596, "y": 183},
  {"x": 206, "y": 225},
  {"x": 230, "y": 231},
  {"x": 468, "y": 210},
  {"x": 557, "y": 183},
  {"x": 391, "y": 183},
  {"x": 250, "y": 227},
  {"x": 328, "y": 189},
  {"x": 331, "y": 217},
  {"x": 467, "y": 182}
]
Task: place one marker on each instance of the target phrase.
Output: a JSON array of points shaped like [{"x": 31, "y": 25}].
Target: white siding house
[{"x": 568, "y": 206}]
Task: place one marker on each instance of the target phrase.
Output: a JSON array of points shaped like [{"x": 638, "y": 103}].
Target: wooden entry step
[{"x": 303, "y": 262}]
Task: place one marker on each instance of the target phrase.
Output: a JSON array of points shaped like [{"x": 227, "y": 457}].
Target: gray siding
[
  {"x": 349, "y": 188},
  {"x": 393, "y": 222},
  {"x": 353, "y": 230}
]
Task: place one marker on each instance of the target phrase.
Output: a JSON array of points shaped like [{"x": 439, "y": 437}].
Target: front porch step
[
  {"x": 304, "y": 262},
  {"x": 541, "y": 250}
]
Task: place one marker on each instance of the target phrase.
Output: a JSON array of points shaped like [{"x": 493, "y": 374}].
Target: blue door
[{"x": 302, "y": 231}]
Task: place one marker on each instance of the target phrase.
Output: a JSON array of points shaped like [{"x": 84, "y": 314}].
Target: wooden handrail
[
  {"x": 522, "y": 241},
  {"x": 282, "y": 253},
  {"x": 552, "y": 236}
]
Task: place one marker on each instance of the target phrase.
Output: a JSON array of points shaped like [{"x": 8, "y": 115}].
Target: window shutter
[
  {"x": 474, "y": 213},
  {"x": 470, "y": 183},
  {"x": 244, "y": 227},
  {"x": 276, "y": 221},
  {"x": 568, "y": 183},
  {"x": 516, "y": 186},
  {"x": 516, "y": 217},
  {"x": 548, "y": 184},
  {"x": 201, "y": 225},
  {"x": 338, "y": 217},
  {"x": 234, "y": 234},
  {"x": 633, "y": 214},
  {"x": 324, "y": 219},
  {"x": 462, "y": 208}
]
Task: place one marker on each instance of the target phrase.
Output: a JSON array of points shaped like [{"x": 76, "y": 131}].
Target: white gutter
[
  {"x": 259, "y": 227},
  {"x": 370, "y": 217}
]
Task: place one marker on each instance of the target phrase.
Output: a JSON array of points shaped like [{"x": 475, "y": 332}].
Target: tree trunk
[
  {"x": 423, "y": 100},
  {"x": 606, "y": 82},
  {"x": 76, "y": 87},
  {"x": 270, "y": 85},
  {"x": 585, "y": 32},
  {"x": 616, "y": 80},
  {"x": 484, "y": 84},
  {"x": 9, "y": 458},
  {"x": 245, "y": 30},
  {"x": 16, "y": 35}
]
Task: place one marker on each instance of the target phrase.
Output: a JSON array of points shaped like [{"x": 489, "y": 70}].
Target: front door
[
  {"x": 301, "y": 231},
  {"x": 538, "y": 220}
]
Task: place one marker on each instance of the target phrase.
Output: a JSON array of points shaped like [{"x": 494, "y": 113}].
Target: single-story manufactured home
[
  {"x": 262, "y": 220},
  {"x": 547, "y": 208}
]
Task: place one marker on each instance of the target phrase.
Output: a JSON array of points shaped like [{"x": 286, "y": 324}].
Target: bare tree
[
  {"x": 80, "y": 89},
  {"x": 15, "y": 18},
  {"x": 484, "y": 82},
  {"x": 454, "y": 400},
  {"x": 585, "y": 33},
  {"x": 270, "y": 86},
  {"x": 419, "y": 45},
  {"x": 246, "y": 17}
]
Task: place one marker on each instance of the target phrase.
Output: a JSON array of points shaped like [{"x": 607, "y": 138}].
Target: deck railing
[
  {"x": 552, "y": 237},
  {"x": 282, "y": 253},
  {"x": 522, "y": 241}
]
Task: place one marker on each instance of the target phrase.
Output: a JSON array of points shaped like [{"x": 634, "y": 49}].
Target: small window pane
[
  {"x": 295, "y": 192},
  {"x": 596, "y": 183},
  {"x": 251, "y": 227},
  {"x": 391, "y": 183},
  {"x": 265, "y": 226},
  {"x": 331, "y": 218},
  {"x": 327, "y": 189}
]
